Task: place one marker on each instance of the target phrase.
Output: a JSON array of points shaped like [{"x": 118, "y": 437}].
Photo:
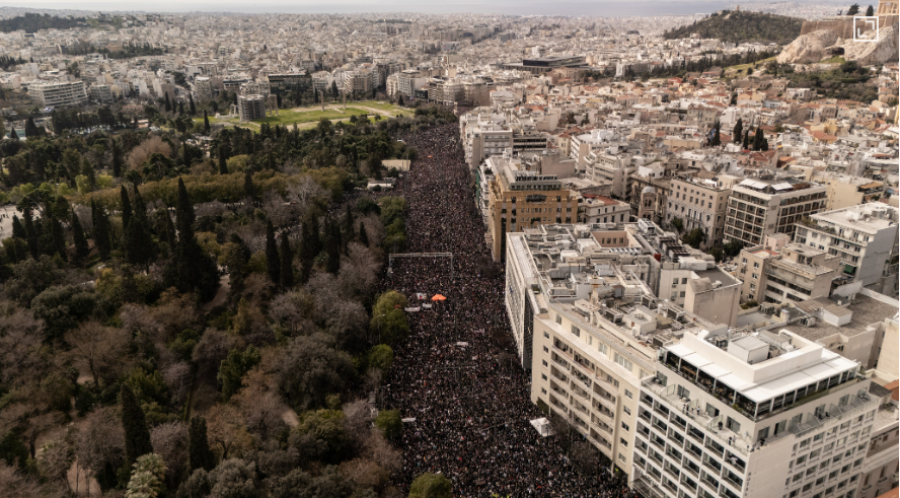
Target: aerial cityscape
[{"x": 359, "y": 250}]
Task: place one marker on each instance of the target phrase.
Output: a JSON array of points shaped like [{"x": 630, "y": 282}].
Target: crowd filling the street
[{"x": 470, "y": 404}]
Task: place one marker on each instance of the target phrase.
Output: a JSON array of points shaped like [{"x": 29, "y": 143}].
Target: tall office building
[{"x": 759, "y": 207}]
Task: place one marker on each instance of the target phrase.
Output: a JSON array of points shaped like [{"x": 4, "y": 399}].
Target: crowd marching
[{"x": 472, "y": 411}]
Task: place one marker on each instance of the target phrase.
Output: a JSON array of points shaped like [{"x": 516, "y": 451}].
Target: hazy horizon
[{"x": 504, "y": 7}]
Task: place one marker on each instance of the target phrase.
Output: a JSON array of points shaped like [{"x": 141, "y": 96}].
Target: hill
[{"x": 741, "y": 27}]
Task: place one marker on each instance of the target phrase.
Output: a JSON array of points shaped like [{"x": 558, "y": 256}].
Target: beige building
[
  {"x": 519, "y": 199},
  {"x": 845, "y": 190},
  {"x": 793, "y": 272},
  {"x": 701, "y": 288},
  {"x": 759, "y": 207},
  {"x": 880, "y": 467},
  {"x": 888, "y": 366},
  {"x": 600, "y": 209},
  {"x": 586, "y": 330},
  {"x": 699, "y": 204}
]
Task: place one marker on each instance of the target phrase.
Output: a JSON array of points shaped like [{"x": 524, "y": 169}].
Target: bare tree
[
  {"x": 21, "y": 337},
  {"x": 135, "y": 159},
  {"x": 170, "y": 441},
  {"x": 55, "y": 459},
  {"x": 380, "y": 450},
  {"x": 359, "y": 270},
  {"x": 304, "y": 192},
  {"x": 260, "y": 404},
  {"x": 14, "y": 484},
  {"x": 292, "y": 310},
  {"x": 100, "y": 443},
  {"x": 212, "y": 348},
  {"x": 226, "y": 430},
  {"x": 358, "y": 422},
  {"x": 177, "y": 377},
  {"x": 97, "y": 348}
]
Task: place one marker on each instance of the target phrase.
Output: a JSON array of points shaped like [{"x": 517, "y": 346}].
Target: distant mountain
[{"x": 742, "y": 27}]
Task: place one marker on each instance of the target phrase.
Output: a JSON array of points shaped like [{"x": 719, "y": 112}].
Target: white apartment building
[
  {"x": 600, "y": 209},
  {"x": 102, "y": 94},
  {"x": 864, "y": 237},
  {"x": 606, "y": 167},
  {"x": 752, "y": 416},
  {"x": 699, "y": 286},
  {"x": 880, "y": 468},
  {"x": 585, "y": 327},
  {"x": 59, "y": 94},
  {"x": 759, "y": 207}
]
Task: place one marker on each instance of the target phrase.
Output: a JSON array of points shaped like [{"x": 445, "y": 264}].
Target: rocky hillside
[
  {"x": 741, "y": 27},
  {"x": 818, "y": 45}
]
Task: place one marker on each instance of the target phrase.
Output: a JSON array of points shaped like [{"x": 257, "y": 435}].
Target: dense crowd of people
[{"x": 472, "y": 410}]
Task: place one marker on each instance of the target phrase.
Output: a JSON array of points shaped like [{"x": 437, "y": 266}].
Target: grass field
[
  {"x": 310, "y": 115},
  {"x": 761, "y": 64}
]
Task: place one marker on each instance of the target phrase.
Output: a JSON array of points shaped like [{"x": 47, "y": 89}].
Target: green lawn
[
  {"x": 760, "y": 64},
  {"x": 306, "y": 115}
]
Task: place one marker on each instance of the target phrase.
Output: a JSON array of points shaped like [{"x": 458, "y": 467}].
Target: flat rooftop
[
  {"x": 865, "y": 217},
  {"x": 866, "y": 311}
]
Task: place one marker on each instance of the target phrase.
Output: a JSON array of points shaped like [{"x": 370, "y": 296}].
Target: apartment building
[
  {"x": 521, "y": 198},
  {"x": 699, "y": 286},
  {"x": 699, "y": 204},
  {"x": 759, "y": 207},
  {"x": 794, "y": 272},
  {"x": 102, "y": 94},
  {"x": 600, "y": 209},
  {"x": 487, "y": 134},
  {"x": 586, "y": 330},
  {"x": 58, "y": 94},
  {"x": 609, "y": 167},
  {"x": 845, "y": 190},
  {"x": 864, "y": 237},
  {"x": 745, "y": 416},
  {"x": 880, "y": 468}
]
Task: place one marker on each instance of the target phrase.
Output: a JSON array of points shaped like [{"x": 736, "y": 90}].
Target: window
[
  {"x": 546, "y": 335},
  {"x": 624, "y": 443},
  {"x": 576, "y": 331},
  {"x": 559, "y": 319},
  {"x": 545, "y": 363},
  {"x": 625, "y": 426},
  {"x": 543, "y": 376},
  {"x": 626, "y": 410},
  {"x": 546, "y": 350},
  {"x": 621, "y": 360},
  {"x": 628, "y": 394}
]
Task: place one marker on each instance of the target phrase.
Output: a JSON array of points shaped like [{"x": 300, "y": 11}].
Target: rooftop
[
  {"x": 866, "y": 311},
  {"x": 869, "y": 218}
]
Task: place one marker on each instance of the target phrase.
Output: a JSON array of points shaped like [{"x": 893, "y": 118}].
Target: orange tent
[{"x": 438, "y": 297}]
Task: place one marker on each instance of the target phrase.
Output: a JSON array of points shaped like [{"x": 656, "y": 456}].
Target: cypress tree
[
  {"x": 81, "y": 245},
  {"x": 57, "y": 236},
  {"x": 181, "y": 108},
  {"x": 101, "y": 230},
  {"x": 137, "y": 435},
  {"x": 273, "y": 264},
  {"x": 116, "y": 158},
  {"x": 31, "y": 129},
  {"x": 169, "y": 230},
  {"x": 363, "y": 237},
  {"x": 349, "y": 223},
  {"x": 190, "y": 268},
  {"x": 126, "y": 207},
  {"x": 738, "y": 131},
  {"x": 206, "y": 126},
  {"x": 18, "y": 229},
  {"x": 198, "y": 448},
  {"x": 138, "y": 241},
  {"x": 249, "y": 191},
  {"x": 332, "y": 246},
  {"x": 757, "y": 139},
  {"x": 717, "y": 137},
  {"x": 192, "y": 107},
  {"x": 287, "y": 258},
  {"x": 223, "y": 164},
  {"x": 746, "y": 143},
  {"x": 12, "y": 133},
  {"x": 168, "y": 104},
  {"x": 31, "y": 232}
]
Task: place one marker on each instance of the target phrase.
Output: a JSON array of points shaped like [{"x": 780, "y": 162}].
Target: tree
[
  {"x": 287, "y": 260},
  {"x": 738, "y": 131},
  {"x": 200, "y": 455},
  {"x": 758, "y": 139},
  {"x": 223, "y": 158},
  {"x": 678, "y": 224},
  {"x": 137, "y": 435},
  {"x": 273, "y": 263},
  {"x": 694, "y": 238},
  {"x": 870, "y": 11},
  {"x": 126, "y": 206},
  {"x": 190, "y": 269},
  {"x": 97, "y": 349},
  {"x": 320, "y": 436},
  {"x": 116, "y": 154},
  {"x": 81, "y": 245},
  {"x": 100, "y": 222},
  {"x": 746, "y": 141},
  {"x": 749, "y": 71},
  {"x": 206, "y": 127},
  {"x": 249, "y": 190},
  {"x": 733, "y": 248},
  {"x": 310, "y": 368},
  {"x": 332, "y": 246},
  {"x": 388, "y": 318},
  {"x": 139, "y": 246},
  {"x": 854, "y": 10},
  {"x": 717, "y": 138},
  {"x": 430, "y": 485},
  {"x": 381, "y": 357},
  {"x": 363, "y": 236},
  {"x": 349, "y": 224},
  {"x": 233, "y": 368},
  {"x": 389, "y": 423},
  {"x": 192, "y": 107},
  {"x": 234, "y": 478},
  {"x": 227, "y": 430},
  {"x": 31, "y": 129},
  {"x": 147, "y": 478}
]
